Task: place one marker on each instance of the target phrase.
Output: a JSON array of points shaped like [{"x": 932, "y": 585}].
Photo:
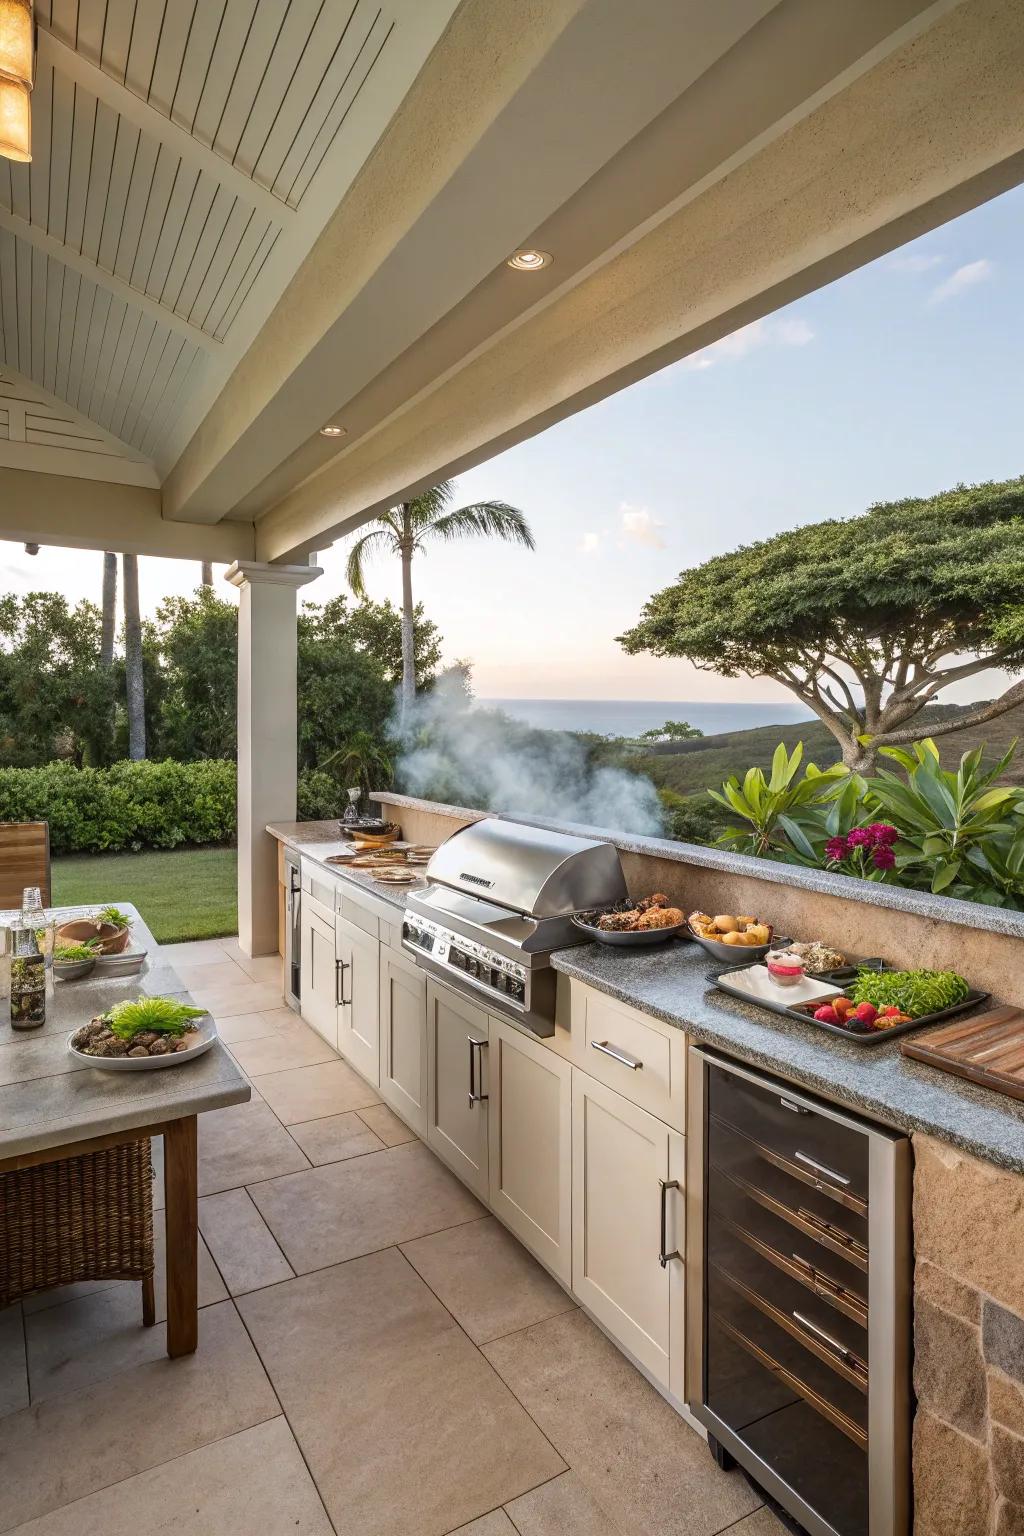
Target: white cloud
[
  {"x": 786, "y": 331},
  {"x": 641, "y": 526},
  {"x": 914, "y": 262},
  {"x": 964, "y": 277},
  {"x": 589, "y": 544}
]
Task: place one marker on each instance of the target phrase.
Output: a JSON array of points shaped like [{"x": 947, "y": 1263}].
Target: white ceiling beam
[
  {"x": 74, "y": 66},
  {"x": 23, "y": 230}
]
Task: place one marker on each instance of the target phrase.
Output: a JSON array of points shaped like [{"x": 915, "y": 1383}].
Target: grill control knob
[{"x": 413, "y": 934}]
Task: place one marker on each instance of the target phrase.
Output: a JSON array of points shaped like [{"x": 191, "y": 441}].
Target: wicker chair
[{"x": 88, "y": 1217}]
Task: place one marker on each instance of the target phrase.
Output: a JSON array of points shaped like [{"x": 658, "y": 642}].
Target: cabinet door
[
  {"x": 319, "y": 977},
  {"x": 530, "y": 1161},
  {"x": 403, "y": 1039},
  {"x": 359, "y": 994},
  {"x": 622, "y": 1157},
  {"x": 457, "y": 1092}
]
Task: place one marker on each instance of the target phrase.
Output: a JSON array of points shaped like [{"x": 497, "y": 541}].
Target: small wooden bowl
[{"x": 110, "y": 940}]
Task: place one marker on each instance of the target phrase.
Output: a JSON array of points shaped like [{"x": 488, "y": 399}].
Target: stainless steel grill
[{"x": 499, "y": 899}]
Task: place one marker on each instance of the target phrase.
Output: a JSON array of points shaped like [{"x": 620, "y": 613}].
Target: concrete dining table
[{"x": 51, "y": 1107}]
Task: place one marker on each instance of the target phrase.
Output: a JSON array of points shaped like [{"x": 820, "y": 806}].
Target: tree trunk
[
  {"x": 207, "y": 573},
  {"x": 408, "y": 635},
  {"x": 135, "y": 694},
  {"x": 109, "y": 608}
]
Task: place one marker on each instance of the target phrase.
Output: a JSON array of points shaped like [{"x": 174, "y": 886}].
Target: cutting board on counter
[{"x": 988, "y": 1050}]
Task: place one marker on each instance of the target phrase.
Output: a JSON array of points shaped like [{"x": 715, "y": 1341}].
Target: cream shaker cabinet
[
  {"x": 358, "y": 957},
  {"x": 403, "y": 1038},
  {"x": 530, "y": 1144},
  {"x": 457, "y": 1084},
  {"x": 319, "y": 1005},
  {"x": 628, "y": 1226}
]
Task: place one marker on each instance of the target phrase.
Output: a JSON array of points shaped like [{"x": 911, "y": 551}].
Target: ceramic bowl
[{"x": 111, "y": 940}]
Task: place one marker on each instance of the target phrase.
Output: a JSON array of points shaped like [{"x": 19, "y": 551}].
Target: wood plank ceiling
[{"x": 175, "y": 145}]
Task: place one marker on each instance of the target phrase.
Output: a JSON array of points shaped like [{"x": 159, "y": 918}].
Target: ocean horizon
[{"x": 630, "y": 717}]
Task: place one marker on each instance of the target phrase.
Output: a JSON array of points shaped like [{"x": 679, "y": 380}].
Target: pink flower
[
  {"x": 835, "y": 849},
  {"x": 884, "y": 834},
  {"x": 883, "y": 857},
  {"x": 860, "y": 837}
]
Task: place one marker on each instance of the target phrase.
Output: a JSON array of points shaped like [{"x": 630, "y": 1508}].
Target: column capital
[{"x": 254, "y": 573}]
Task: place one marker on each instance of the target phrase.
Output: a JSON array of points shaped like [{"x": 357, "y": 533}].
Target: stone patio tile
[
  {"x": 262, "y": 967},
  {"x": 563, "y": 1507},
  {"x": 282, "y": 1049},
  {"x": 342, "y": 1210},
  {"x": 403, "y": 1424},
  {"x": 497, "y": 1523},
  {"x": 220, "y": 973},
  {"x": 384, "y": 1123},
  {"x": 195, "y": 952},
  {"x": 239, "y": 997},
  {"x": 85, "y": 1340},
  {"x": 242, "y": 1144},
  {"x": 252, "y": 1481},
  {"x": 335, "y": 1138},
  {"x": 73, "y": 1444},
  {"x": 244, "y": 1026},
  {"x": 312, "y": 1093},
  {"x": 241, "y": 1242},
  {"x": 13, "y": 1368},
  {"x": 486, "y": 1279},
  {"x": 636, "y": 1458}
]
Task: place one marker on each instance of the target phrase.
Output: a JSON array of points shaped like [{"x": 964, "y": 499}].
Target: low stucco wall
[{"x": 862, "y": 918}]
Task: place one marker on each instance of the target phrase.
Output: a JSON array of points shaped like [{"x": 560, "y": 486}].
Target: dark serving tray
[{"x": 838, "y": 978}]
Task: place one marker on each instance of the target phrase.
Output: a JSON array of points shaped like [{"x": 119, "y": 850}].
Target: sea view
[{"x": 629, "y": 717}]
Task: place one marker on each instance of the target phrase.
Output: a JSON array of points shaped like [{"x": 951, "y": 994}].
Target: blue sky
[{"x": 902, "y": 378}]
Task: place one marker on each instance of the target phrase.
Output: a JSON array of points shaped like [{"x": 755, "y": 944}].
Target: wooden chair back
[{"x": 24, "y": 860}]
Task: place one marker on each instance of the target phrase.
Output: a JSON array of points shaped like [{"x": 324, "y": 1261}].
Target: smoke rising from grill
[{"x": 461, "y": 755}]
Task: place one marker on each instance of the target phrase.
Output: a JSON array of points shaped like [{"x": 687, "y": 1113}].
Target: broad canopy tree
[{"x": 866, "y": 620}]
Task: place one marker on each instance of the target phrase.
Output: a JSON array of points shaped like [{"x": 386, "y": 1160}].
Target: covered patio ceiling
[{"x": 245, "y": 221}]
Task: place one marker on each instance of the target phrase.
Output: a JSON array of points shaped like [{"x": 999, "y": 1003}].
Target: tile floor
[{"x": 377, "y": 1356}]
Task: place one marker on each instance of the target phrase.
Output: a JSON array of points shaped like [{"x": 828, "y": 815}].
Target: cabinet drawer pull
[
  {"x": 340, "y": 967},
  {"x": 613, "y": 1051},
  {"x": 663, "y": 1256},
  {"x": 476, "y": 1071},
  {"x": 822, "y": 1168}
]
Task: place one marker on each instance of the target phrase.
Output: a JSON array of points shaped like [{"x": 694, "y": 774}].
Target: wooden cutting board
[{"x": 988, "y": 1049}]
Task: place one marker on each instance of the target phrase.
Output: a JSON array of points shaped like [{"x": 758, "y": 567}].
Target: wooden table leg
[{"x": 181, "y": 1182}]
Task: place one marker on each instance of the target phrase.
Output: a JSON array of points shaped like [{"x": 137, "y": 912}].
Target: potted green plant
[{"x": 110, "y": 930}]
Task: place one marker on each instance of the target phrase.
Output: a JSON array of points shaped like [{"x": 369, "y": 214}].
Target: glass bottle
[
  {"x": 28, "y": 979},
  {"x": 35, "y": 917}
]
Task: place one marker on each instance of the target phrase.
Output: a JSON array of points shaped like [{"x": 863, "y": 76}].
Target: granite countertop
[
  {"x": 48, "y": 1099},
  {"x": 670, "y": 982},
  {"x": 319, "y": 840}
]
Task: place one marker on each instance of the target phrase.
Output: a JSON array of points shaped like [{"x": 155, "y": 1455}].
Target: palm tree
[
  {"x": 109, "y": 606},
  {"x": 405, "y": 529},
  {"x": 135, "y": 691},
  {"x": 207, "y": 573}
]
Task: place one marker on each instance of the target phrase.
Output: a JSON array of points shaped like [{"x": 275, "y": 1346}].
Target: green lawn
[{"x": 186, "y": 894}]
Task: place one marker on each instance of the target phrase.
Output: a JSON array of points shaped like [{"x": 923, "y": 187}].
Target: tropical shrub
[{"x": 958, "y": 832}]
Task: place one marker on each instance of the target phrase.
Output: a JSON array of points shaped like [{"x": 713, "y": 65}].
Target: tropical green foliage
[
  {"x": 864, "y": 620},
  {"x": 672, "y": 730},
  {"x": 958, "y": 832}
]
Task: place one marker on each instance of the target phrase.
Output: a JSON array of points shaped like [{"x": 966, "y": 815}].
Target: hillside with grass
[{"x": 690, "y": 767}]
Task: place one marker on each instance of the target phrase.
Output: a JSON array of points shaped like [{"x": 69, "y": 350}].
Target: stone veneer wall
[{"x": 969, "y": 1345}]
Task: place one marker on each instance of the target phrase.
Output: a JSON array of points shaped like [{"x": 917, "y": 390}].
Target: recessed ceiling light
[
  {"x": 529, "y": 260},
  {"x": 332, "y": 431}
]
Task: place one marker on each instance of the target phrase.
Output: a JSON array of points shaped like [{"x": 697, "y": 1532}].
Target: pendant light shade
[
  {"x": 16, "y": 41},
  {"x": 15, "y": 121}
]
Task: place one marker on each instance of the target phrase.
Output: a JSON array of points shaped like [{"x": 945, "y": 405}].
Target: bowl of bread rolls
[{"x": 732, "y": 939}]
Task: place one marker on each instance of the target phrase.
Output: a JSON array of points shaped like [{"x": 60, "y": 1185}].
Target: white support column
[{"x": 267, "y": 736}]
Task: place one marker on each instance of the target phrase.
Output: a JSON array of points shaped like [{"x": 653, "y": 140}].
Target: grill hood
[{"x": 526, "y": 869}]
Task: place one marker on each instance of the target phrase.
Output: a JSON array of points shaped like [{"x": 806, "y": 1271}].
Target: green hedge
[{"x": 128, "y": 806}]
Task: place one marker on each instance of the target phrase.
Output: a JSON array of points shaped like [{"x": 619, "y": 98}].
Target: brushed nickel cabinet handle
[
  {"x": 663, "y": 1257},
  {"x": 822, "y": 1168},
  {"x": 613, "y": 1051},
  {"x": 340, "y": 967},
  {"x": 476, "y": 1045}
]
